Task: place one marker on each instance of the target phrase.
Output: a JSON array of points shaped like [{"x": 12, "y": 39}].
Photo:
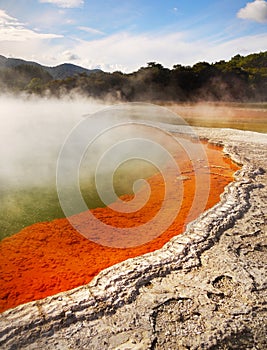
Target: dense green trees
[{"x": 243, "y": 78}]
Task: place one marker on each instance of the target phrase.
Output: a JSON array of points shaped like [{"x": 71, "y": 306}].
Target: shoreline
[{"x": 208, "y": 293}]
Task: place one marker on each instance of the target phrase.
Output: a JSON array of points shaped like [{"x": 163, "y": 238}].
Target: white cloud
[
  {"x": 70, "y": 56},
  {"x": 64, "y": 3},
  {"x": 4, "y": 17},
  {"x": 6, "y": 20},
  {"x": 91, "y": 30},
  {"x": 128, "y": 52},
  {"x": 255, "y": 11},
  {"x": 12, "y": 30},
  {"x": 244, "y": 46}
]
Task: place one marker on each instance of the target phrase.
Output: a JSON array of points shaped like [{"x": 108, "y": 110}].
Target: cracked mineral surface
[{"x": 205, "y": 289}]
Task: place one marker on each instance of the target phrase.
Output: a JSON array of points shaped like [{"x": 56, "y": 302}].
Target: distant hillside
[
  {"x": 61, "y": 71},
  {"x": 67, "y": 70},
  {"x": 241, "y": 79}
]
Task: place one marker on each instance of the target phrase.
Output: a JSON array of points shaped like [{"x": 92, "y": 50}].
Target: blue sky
[{"x": 125, "y": 35}]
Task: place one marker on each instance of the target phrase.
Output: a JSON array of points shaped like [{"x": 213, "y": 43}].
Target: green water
[{"x": 21, "y": 207}]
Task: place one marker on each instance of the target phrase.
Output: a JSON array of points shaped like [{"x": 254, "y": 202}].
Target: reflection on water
[
  {"x": 251, "y": 116},
  {"x": 259, "y": 126}
]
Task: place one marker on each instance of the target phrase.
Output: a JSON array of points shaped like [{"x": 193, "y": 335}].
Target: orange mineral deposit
[{"x": 50, "y": 257}]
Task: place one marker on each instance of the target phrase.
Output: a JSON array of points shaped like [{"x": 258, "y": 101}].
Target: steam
[
  {"x": 31, "y": 135},
  {"x": 34, "y": 131}
]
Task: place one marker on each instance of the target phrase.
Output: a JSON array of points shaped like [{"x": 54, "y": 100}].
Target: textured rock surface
[{"x": 205, "y": 289}]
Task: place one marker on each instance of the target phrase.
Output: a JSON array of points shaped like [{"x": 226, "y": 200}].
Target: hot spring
[{"x": 47, "y": 253}]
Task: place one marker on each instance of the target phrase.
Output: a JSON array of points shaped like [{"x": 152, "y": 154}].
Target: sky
[{"x": 125, "y": 35}]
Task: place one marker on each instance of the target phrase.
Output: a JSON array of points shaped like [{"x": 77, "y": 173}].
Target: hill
[
  {"x": 61, "y": 71},
  {"x": 67, "y": 70}
]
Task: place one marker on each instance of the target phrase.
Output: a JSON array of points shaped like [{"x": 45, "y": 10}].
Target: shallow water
[{"x": 240, "y": 116}]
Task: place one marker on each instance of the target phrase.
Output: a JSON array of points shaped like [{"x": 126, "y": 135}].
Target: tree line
[{"x": 242, "y": 78}]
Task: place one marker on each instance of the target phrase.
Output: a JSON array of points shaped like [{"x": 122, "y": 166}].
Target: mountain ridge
[{"x": 61, "y": 71}]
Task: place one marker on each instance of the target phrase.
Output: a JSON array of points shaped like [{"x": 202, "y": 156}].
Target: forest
[{"x": 241, "y": 79}]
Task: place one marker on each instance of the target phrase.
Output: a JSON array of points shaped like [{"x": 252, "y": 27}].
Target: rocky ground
[{"x": 205, "y": 289}]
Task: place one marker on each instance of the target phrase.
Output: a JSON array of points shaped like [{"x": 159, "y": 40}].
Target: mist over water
[
  {"x": 33, "y": 131},
  {"x": 32, "y": 134}
]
